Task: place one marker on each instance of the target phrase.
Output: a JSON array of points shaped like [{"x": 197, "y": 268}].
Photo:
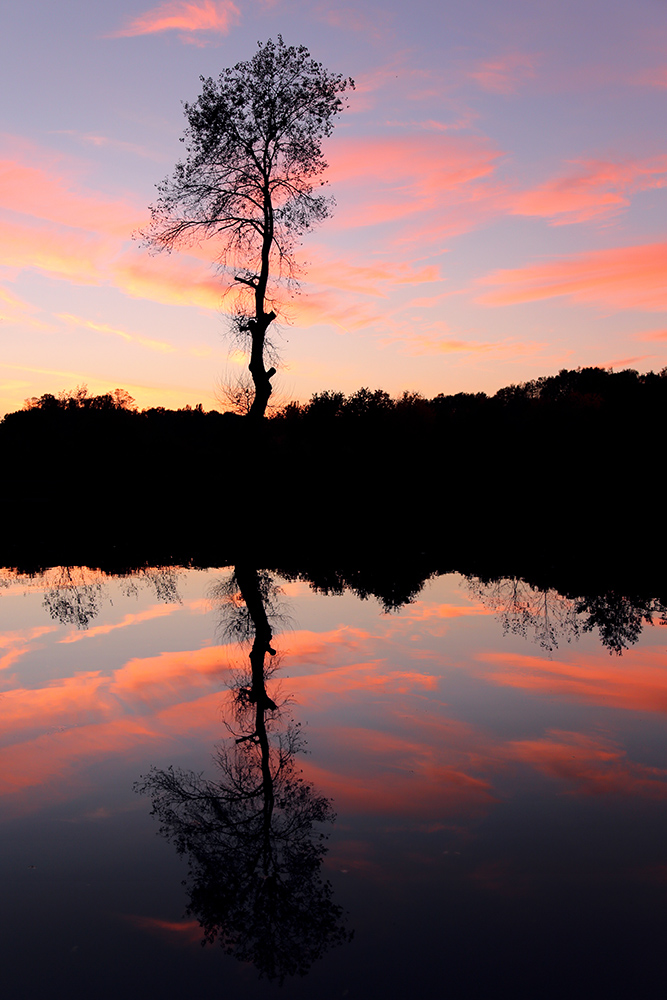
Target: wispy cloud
[
  {"x": 212, "y": 16},
  {"x": 622, "y": 278},
  {"x": 505, "y": 74},
  {"x": 592, "y": 189},
  {"x": 154, "y": 345}
]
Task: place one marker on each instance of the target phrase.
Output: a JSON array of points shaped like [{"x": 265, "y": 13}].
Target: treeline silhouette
[{"x": 565, "y": 460}]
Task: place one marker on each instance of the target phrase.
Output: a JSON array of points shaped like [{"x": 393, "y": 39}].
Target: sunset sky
[{"x": 499, "y": 177}]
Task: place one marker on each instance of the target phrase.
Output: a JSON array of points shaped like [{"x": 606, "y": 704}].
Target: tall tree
[{"x": 251, "y": 180}]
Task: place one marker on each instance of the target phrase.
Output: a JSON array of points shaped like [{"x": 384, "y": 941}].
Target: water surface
[{"x": 494, "y": 757}]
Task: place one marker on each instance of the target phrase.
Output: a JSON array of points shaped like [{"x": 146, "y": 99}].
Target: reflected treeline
[
  {"x": 550, "y": 608},
  {"x": 552, "y": 618},
  {"x": 253, "y": 836},
  {"x": 75, "y": 595}
]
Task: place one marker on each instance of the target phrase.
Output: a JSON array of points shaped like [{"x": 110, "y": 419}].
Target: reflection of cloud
[
  {"x": 160, "y": 679},
  {"x": 623, "y": 277},
  {"x": 505, "y": 74},
  {"x": 217, "y": 16},
  {"x": 594, "y": 189},
  {"x": 18, "y": 643},
  {"x": 175, "y": 931},
  {"x": 370, "y": 676},
  {"x": 639, "y": 682},
  {"x": 589, "y": 765},
  {"x": 389, "y": 773},
  {"x": 158, "y": 611}
]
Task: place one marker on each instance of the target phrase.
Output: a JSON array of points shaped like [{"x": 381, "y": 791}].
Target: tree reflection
[{"x": 253, "y": 836}]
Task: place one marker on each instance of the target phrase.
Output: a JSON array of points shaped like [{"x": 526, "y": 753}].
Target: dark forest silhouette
[{"x": 554, "y": 470}]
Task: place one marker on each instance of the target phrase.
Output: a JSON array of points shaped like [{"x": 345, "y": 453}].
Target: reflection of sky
[
  {"x": 499, "y": 179},
  {"x": 456, "y": 756}
]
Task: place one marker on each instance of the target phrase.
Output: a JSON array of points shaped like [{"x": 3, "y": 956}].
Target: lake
[{"x": 485, "y": 761}]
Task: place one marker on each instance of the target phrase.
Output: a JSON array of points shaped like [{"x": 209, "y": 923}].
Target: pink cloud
[
  {"x": 656, "y": 77},
  {"x": 397, "y": 178},
  {"x": 505, "y": 74},
  {"x": 595, "y": 189},
  {"x": 216, "y": 16},
  {"x": 37, "y": 183},
  {"x": 622, "y": 278}
]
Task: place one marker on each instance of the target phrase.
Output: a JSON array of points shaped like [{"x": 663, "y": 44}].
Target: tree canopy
[{"x": 251, "y": 180}]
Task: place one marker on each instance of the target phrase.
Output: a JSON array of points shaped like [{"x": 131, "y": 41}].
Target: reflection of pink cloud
[
  {"x": 505, "y": 74},
  {"x": 69, "y": 701},
  {"x": 370, "y": 676},
  {"x": 400, "y": 776},
  {"x": 158, "y": 611},
  {"x": 639, "y": 682},
  {"x": 623, "y": 277},
  {"x": 589, "y": 765},
  {"x": 307, "y": 648},
  {"x": 180, "y": 15},
  {"x": 19, "y": 643},
  {"x": 162, "y": 678},
  {"x": 595, "y": 189},
  {"x": 175, "y": 931}
]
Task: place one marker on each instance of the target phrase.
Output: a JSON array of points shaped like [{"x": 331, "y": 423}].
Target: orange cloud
[
  {"x": 505, "y": 74},
  {"x": 74, "y": 256},
  {"x": 154, "y": 345},
  {"x": 623, "y": 278},
  {"x": 638, "y": 682},
  {"x": 595, "y": 189},
  {"x": 16, "y": 310},
  {"x": 177, "y": 280},
  {"x": 180, "y": 15},
  {"x": 417, "y": 344}
]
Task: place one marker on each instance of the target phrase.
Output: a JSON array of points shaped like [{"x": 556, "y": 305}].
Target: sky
[{"x": 499, "y": 176}]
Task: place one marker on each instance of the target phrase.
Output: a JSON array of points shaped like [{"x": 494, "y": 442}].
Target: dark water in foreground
[{"x": 494, "y": 756}]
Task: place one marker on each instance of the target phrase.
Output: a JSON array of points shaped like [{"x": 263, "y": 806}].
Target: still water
[{"x": 486, "y": 763}]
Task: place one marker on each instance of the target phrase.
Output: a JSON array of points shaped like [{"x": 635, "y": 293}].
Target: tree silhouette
[{"x": 254, "y": 156}]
